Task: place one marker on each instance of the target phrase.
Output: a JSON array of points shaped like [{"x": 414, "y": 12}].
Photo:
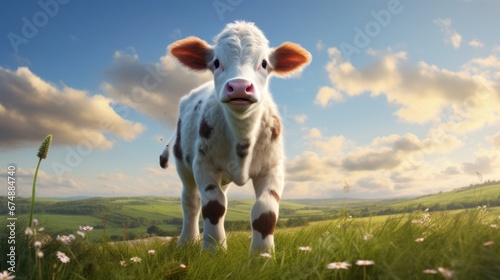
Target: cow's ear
[
  {"x": 288, "y": 59},
  {"x": 192, "y": 52}
]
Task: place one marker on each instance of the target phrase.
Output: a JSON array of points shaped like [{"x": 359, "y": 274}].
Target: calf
[{"x": 229, "y": 130}]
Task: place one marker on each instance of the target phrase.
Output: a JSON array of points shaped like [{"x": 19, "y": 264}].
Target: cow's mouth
[{"x": 240, "y": 101}]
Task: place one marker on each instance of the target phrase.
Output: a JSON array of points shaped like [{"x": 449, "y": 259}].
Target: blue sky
[{"x": 402, "y": 97}]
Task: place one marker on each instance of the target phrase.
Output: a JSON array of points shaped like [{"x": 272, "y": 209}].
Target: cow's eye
[
  {"x": 264, "y": 64},
  {"x": 216, "y": 63}
]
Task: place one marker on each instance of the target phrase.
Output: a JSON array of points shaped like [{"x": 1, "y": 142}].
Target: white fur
[{"x": 210, "y": 161}]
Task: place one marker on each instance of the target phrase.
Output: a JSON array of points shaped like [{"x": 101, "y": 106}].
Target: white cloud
[
  {"x": 176, "y": 34},
  {"x": 455, "y": 39},
  {"x": 326, "y": 95},
  {"x": 114, "y": 176},
  {"x": 300, "y": 119},
  {"x": 332, "y": 146},
  {"x": 481, "y": 164},
  {"x": 153, "y": 89},
  {"x": 494, "y": 140},
  {"x": 475, "y": 43},
  {"x": 452, "y": 36},
  {"x": 456, "y": 101},
  {"x": 450, "y": 104},
  {"x": 483, "y": 65},
  {"x": 314, "y": 133},
  {"x": 393, "y": 165},
  {"x": 320, "y": 46},
  {"x": 31, "y": 108},
  {"x": 147, "y": 181},
  {"x": 47, "y": 185}
]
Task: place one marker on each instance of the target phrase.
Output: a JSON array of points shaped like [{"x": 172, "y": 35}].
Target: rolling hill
[{"x": 133, "y": 215}]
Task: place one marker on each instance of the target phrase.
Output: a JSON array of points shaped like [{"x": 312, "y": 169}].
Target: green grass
[
  {"x": 141, "y": 212},
  {"x": 453, "y": 240},
  {"x": 458, "y": 196}
]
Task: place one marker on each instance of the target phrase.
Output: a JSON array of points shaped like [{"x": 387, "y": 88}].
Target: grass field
[
  {"x": 464, "y": 243},
  {"x": 136, "y": 214}
]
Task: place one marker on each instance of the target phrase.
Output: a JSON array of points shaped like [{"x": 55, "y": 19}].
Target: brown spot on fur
[
  {"x": 205, "y": 129},
  {"x": 213, "y": 211},
  {"x": 276, "y": 128},
  {"x": 197, "y": 106},
  {"x": 275, "y": 195},
  {"x": 265, "y": 224},
  {"x": 242, "y": 149},
  {"x": 177, "y": 146}
]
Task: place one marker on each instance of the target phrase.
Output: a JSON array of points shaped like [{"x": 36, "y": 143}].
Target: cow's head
[{"x": 241, "y": 61}]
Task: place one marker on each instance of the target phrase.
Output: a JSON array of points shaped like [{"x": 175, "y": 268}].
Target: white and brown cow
[{"x": 229, "y": 130}]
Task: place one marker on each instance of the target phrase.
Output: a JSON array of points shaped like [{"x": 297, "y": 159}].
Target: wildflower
[
  {"x": 151, "y": 252},
  {"x": 419, "y": 240},
  {"x": 338, "y": 265},
  {"x": 364, "y": 262},
  {"x": 136, "y": 259},
  {"x": 39, "y": 254},
  {"x": 35, "y": 222},
  {"x": 265, "y": 255},
  {"x": 427, "y": 216},
  {"x": 85, "y": 228},
  {"x": 66, "y": 239},
  {"x": 367, "y": 236},
  {"x": 494, "y": 226},
  {"x": 28, "y": 231},
  {"x": 62, "y": 257},
  {"x": 426, "y": 210},
  {"x": 123, "y": 263},
  {"x": 446, "y": 272},
  {"x": 81, "y": 233},
  {"x": 6, "y": 275},
  {"x": 489, "y": 243},
  {"x": 41, "y": 229},
  {"x": 38, "y": 244},
  {"x": 430, "y": 271},
  {"x": 182, "y": 265},
  {"x": 305, "y": 248}
]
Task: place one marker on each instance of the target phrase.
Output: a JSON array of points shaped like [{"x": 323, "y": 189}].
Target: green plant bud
[{"x": 44, "y": 148}]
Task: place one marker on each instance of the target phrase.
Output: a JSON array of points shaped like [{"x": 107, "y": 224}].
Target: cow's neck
[
  {"x": 244, "y": 127},
  {"x": 244, "y": 131}
]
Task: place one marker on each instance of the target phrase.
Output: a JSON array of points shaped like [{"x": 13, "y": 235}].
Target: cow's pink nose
[{"x": 239, "y": 88}]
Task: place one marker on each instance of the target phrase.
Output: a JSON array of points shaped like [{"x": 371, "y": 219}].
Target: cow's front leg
[
  {"x": 190, "y": 206},
  {"x": 264, "y": 215},
  {"x": 214, "y": 205}
]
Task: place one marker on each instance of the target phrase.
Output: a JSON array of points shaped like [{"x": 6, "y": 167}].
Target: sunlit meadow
[{"x": 422, "y": 245}]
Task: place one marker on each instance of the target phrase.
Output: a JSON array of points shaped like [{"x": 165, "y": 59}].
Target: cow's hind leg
[
  {"x": 264, "y": 215},
  {"x": 191, "y": 203}
]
